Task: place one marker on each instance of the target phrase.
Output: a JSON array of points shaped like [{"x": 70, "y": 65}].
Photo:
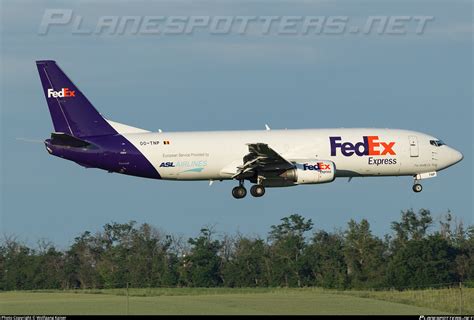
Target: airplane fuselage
[{"x": 216, "y": 155}]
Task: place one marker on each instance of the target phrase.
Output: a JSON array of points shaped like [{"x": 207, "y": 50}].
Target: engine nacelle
[{"x": 311, "y": 171}]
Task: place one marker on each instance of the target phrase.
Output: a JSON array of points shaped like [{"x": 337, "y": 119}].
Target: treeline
[{"x": 417, "y": 253}]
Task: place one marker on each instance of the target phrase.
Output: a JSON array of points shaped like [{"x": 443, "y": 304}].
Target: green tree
[
  {"x": 3, "y": 253},
  {"x": 49, "y": 267},
  {"x": 464, "y": 242},
  {"x": 18, "y": 266},
  {"x": 411, "y": 227},
  {"x": 423, "y": 262},
  {"x": 288, "y": 243},
  {"x": 115, "y": 260},
  {"x": 150, "y": 262},
  {"x": 246, "y": 266},
  {"x": 202, "y": 263},
  {"x": 81, "y": 261},
  {"x": 365, "y": 256},
  {"x": 325, "y": 256}
]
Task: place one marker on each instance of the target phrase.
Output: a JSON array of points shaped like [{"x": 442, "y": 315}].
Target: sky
[{"x": 203, "y": 81}]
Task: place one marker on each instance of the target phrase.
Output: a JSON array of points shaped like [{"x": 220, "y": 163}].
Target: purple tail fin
[{"x": 70, "y": 110}]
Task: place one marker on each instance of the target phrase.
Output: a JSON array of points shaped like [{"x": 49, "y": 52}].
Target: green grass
[
  {"x": 449, "y": 300},
  {"x": 228, "y": 301}
]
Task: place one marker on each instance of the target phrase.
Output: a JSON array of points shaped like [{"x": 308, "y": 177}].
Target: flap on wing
[
  {"x": 262, "y": 158},
  {"x": 267, "y": 154}
]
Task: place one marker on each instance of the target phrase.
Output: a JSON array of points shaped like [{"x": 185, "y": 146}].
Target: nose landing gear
[
  {"x": 417, "y": 187},
  {"x": 420, "y": 176}
]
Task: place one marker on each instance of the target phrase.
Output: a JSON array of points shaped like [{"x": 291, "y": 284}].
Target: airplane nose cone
[
  {"x": 458, "y": 156},
  {"x": 449, "y": 158}
]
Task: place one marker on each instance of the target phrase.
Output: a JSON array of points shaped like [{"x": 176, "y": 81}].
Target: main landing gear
[
  {"x": 240, "y": 192},
  {"x": 257, "y": 190}
]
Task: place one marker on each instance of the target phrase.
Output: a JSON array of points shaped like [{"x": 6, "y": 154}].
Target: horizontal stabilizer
[{"x": 64, "y": 139}]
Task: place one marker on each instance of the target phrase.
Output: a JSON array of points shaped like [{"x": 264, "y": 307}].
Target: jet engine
[{"x": 311, "y": 172}]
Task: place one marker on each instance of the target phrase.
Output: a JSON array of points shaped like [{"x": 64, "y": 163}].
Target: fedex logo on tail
[
  {"x": 64, "y": 93},
  {"x": 369, "y": 146}
]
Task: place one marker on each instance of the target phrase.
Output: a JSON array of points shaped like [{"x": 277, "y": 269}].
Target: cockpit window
[{"x": 437, "y": 143}]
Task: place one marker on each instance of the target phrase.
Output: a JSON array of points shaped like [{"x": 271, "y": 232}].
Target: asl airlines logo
[
  {"x": 64, "y": 93},
  {"x": 167, "y": 165},
  {"x": 370, "y": 146}
]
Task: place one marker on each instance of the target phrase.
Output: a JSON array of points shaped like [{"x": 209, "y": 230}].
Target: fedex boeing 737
[{"x": 265, "y": 158}]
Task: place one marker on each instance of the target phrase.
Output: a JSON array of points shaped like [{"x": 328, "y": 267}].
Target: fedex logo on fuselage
[
  {"x": 370, "y": 146},
  {"x": 64, "y": 93}
]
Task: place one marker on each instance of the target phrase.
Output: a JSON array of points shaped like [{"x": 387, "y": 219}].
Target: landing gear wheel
[
  {"x": 417, "y": 187},
  {"x": 239, "y": 192},
  {"x": 257, "y": 190}
]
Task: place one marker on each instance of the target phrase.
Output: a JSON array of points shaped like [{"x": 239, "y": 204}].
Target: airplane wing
[{"x": 261, "y": 158}]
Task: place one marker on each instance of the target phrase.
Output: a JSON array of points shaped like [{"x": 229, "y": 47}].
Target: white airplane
[{"x": 266, "y": 158}]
